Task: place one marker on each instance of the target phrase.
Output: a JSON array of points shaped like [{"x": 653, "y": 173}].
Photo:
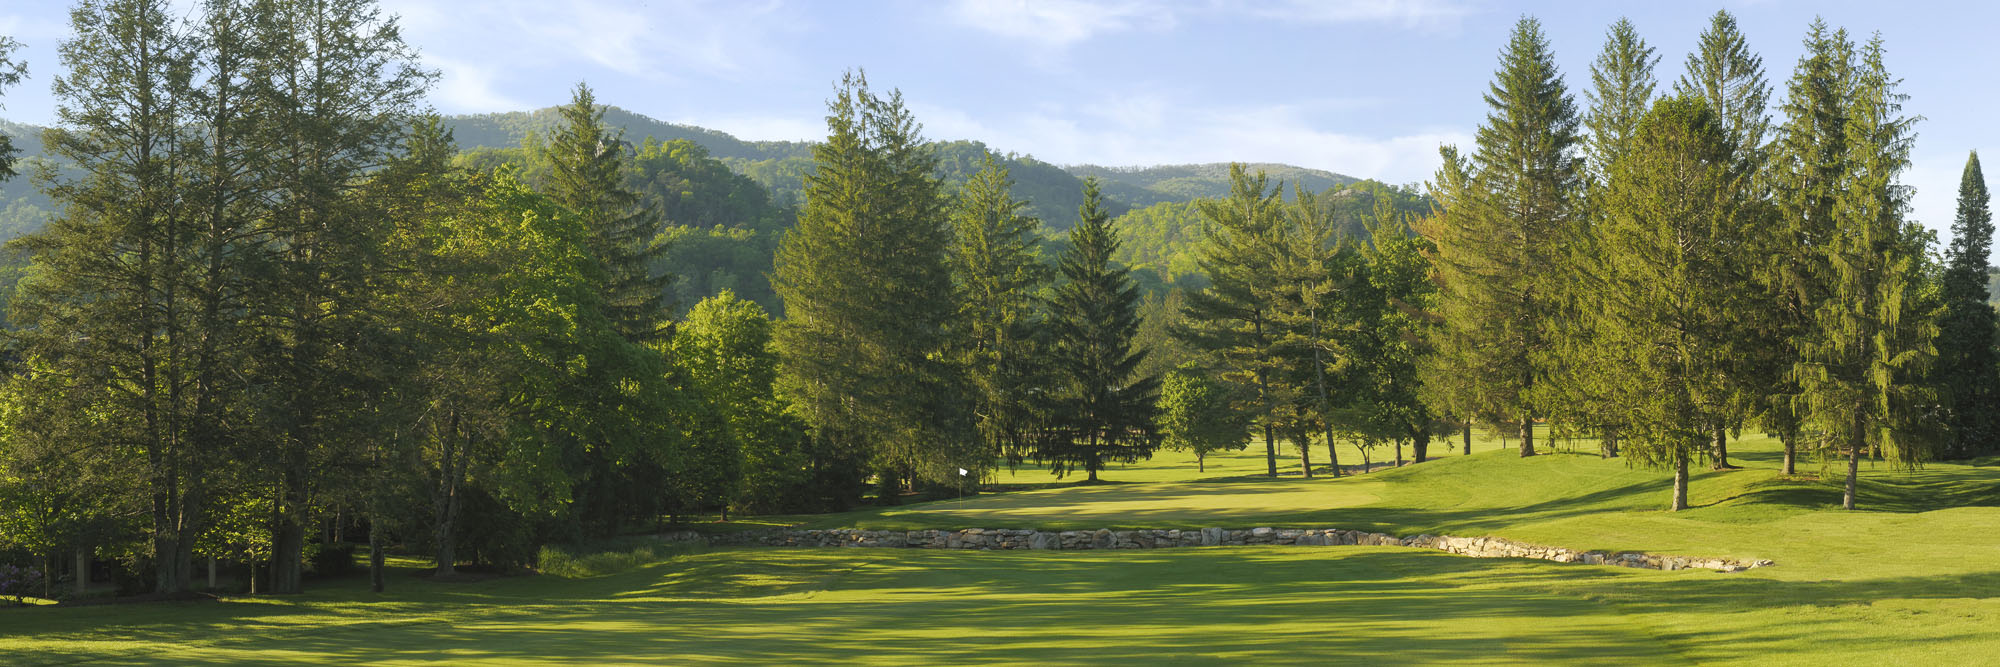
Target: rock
[{"x": 1211, "y": 537}]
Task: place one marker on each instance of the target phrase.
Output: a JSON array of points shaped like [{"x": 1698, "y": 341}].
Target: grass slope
[{"x": 1914, "y": 580}]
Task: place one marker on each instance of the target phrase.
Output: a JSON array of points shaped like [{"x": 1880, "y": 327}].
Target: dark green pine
[
  {"x": 1099, "y": 412},
  {"x": 1966, "y": 336},
  {"x": 588, "y": 177}
]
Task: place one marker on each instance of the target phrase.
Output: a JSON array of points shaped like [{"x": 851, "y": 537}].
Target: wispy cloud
[
  {"x": 1415, "y": 14},
  {"x": 1059, "y": 23}
]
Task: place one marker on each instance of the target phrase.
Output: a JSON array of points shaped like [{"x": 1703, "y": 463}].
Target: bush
[{"x": 19, "y": 582}]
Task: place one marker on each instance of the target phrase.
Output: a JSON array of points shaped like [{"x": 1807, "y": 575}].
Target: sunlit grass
[{"x": 1914, "y": 579}]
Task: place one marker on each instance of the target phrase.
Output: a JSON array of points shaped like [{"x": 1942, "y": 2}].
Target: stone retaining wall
[{"x": 991, "y": 539}]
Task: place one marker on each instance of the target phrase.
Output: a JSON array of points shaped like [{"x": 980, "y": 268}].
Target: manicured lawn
[{"x": 1914, "y": 580}]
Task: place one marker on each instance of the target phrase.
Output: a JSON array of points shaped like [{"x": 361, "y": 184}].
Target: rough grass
[{"x": 1913, "y": 579}]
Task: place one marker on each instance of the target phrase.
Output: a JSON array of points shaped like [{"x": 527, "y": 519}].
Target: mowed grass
[{"x": 1914, "y": 580}]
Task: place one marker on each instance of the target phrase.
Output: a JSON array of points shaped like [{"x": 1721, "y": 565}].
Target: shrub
[{"x": 597, "y": 559}]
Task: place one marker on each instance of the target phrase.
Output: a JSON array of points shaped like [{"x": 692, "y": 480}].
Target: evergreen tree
[
  {"x": 1729, "y": 77},
  {"x": 1726, "y": 74},
  {"x": 1099, "y": 411},
  {"x": 1621, "y": 91},
  {"x": 587, "y": 174},
  {"x": 334, "y": 88},
  {"x": 104, "y": 315},
  {"x": 1870, "y": 339},
  {"x": 868, "y": 301},
  {"x": 1231, "y": 319},
  {"x": 1674, "y": 279},
  {"x": 11, "y": 73},
  {"x": 1970, "y": 373},
  {"x": 1510, "y": 213},
  {"x": 999, "y": 270}
]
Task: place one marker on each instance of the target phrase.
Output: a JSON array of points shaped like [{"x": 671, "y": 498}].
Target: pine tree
[
  {"x": 1808, "y": 160},
  {"x": 1726, "y": 74},
  {"x": 868, "y": 303},
  {"x": 1509, "y": 217},
  {"x": 1870, "y": 341},
  {"x": 1970, "y": 373},
  {"x": 1230, "y": 320},
  {"x": 998, "y": 269},
  {"x": 1729, "y": 77},
  {"x": 107, "y": 319},
  {"x": 587, "y": 174},
  {"x": 334, "y": 88},
  {"x": 11, "y": 73},
  {"x": 1621, "y": 91},
  {"x": 1099, "y": 411},
  {"x": 1674, "y": 279}
]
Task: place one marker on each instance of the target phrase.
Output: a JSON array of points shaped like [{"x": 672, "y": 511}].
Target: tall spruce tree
[
  {"x": 1674, "y": 278},
  {"x": 1808, "y": 160},
  {"x": 1870, "y": 341},
  {"x": 996, "y": 261},
  {"x": 1231, "y": 320},
  {"x": 1510, "y": 214},
  {"x": 1099, "y": 410},
  {"x": 587, "y": 174},
  {"x": 1621, "y": 90},
  {"x": 868, "y": 299},
  {"x": 1969, "y": 371},
  {"x": 1724, "y": 73}
]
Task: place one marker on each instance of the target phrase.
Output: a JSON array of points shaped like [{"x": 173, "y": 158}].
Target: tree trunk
[
  {"x": 82, "y": 571},
  {"x": 1527, "y": 435},
  {"x": 1332, "y": 455},
  {"x": 1468, "y": 437},
  {"x": 48, "y": 576},
  {"x": 446, "y": 504},
  {"x": 375, "y": 556},
  {"x": 1722, "y": 448},
  {"x": 289, "y": 536},
  {"x": 1680, "y": 481},
  {"x": 1200, "y": 462},
  {"x": 1270, "y": 450},
  {"x": 1608, "y": 446},
  {"x": 1420, "y": 447},
  {"x": 1853, "y": 471},
  {"x": 1791, "y": 454},
  {"x": 1399, "y": 453},
  {"x": 1092, "y": 469},
  {"x": 1305, "y": 459}
]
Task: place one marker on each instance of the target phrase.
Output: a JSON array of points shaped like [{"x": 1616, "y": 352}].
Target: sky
[{"x": 1367, "y": 88}]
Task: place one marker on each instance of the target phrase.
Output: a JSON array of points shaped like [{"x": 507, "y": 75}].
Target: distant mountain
[
  {"x": 1053, "y": 192},
  {"x": 1145, "y": 186}
]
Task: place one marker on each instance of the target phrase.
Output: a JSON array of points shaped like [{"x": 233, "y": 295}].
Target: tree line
[{"x": 279, "y": 312}]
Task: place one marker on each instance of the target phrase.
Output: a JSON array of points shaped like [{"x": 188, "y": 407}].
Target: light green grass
[{"x": 1915, "y": 580}]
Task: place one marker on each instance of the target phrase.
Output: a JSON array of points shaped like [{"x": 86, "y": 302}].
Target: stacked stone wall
[{"x": 1004, "y": 539}]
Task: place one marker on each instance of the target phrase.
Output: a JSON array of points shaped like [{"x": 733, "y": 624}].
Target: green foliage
[
  {"x": 605, "y": 557},
  {"x": 1505, "y": 231},
  {"x": 1674, "y": 283},
  {"x": 868, "y": 301},
  {"x": 725, "y": 345},
  {"x": 996, "y": 264},
  {"x": 1968, "y": 369},
  {"x": 586, "y": 174},
  {"x": 1871, "y": 330},
  {"x": 1228, "y": 320},
  {"x": 1098, "y": 409},
  {"x": 1621, "y": 90},
  {"x": 1198, "y": 416},
  {"x": 1726, "y": 74}
]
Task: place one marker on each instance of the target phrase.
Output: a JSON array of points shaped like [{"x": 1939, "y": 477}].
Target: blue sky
[{"x": 1367, "y": 88}]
